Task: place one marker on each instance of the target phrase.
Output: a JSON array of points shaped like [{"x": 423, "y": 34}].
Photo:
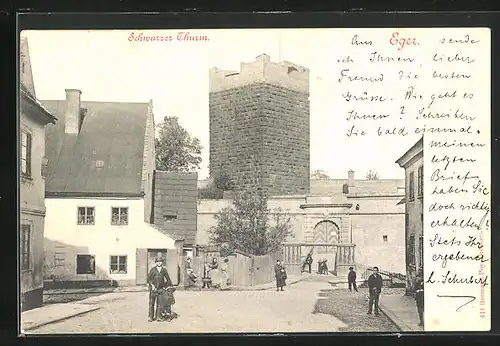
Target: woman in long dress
[
  {"x": 280, "y": 274},
  {"x": 215, "y": 276}
]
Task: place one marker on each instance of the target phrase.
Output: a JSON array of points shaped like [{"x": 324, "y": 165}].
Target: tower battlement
[{"x": 262, "y": 70}]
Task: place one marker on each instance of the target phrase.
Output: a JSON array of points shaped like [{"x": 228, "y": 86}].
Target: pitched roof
[{"x": 111, "y": 132}]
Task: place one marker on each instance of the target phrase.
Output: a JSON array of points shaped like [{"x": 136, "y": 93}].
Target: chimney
[
  {"x": 350, "y": 178},
  {"x": 73, "y": 118}
]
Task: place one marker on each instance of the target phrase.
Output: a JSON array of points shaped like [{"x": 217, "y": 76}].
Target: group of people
[
  {"x": 375, "y": 284},
  {"x": 214, "y": 275},
  {"x": 322, "y": 266},
  {"x": 161, "y": 289}
]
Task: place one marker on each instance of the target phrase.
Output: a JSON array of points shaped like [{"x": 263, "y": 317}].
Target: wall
[
  {"x": 149, "y": 164},
  {"x": 414, "y": 210},
  {"x": 175, "y": 195},
  {"x": 371, "y": 250},
  {"x": 259, "y": 127},
  {"x": 365, "y": 227},
  {"x": 32, "y": 208},
  {"x": 243, "y": 270},
  {"x": 64, "y": 239},
  {"x": 207, "y": 209}
]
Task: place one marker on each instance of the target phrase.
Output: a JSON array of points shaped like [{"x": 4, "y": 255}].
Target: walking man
[
  {"x": 158, "y": 281},
  {"x": 308, "y": 261},
  {"x": 419, "y": 297},
  {"x": 374, "y": 287},
  {"x": 351, "y": 279}
]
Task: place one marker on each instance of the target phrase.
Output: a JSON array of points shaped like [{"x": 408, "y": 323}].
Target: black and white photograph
[{"x": 254, "y": 181}]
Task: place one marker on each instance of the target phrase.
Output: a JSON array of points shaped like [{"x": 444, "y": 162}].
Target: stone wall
[
  {"x": 259, "y": 136},
  {"x": 366, "y": 226},
  {"x": 175, "y": 204}
]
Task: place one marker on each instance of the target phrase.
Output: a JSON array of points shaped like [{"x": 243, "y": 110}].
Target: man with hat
[
  {"x": 351, "y": 279},
  {"x": 158, "y": 281}
]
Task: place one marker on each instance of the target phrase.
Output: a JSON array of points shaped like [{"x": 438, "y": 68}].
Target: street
[{"x": 302, "y": 307}]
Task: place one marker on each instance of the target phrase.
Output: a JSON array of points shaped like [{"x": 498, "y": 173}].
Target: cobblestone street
[{"x": 303, "y": 307}]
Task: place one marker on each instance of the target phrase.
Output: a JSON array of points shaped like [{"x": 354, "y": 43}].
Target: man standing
[
  {"x": 280, "y": 274},
  {"x": 308, "y": 261},
  {"x": 158, "y": 281},
  {"x": 419, "y": 297},
  {"x": 374, "y": 287},
  {"x": 351, "y": 279}
]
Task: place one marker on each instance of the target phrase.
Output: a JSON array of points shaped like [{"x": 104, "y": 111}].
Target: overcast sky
[{"x": 106, "y": 66}]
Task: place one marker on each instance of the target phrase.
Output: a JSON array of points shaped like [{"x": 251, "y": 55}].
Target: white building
[{"x": 99, "y": 195}]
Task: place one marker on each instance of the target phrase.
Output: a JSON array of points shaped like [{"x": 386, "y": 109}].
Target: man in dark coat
[
  {"x": 308, "y": 261},
  {"x": 158, "y": 281},
  {"x": 374, "y": 287},
  {"x": 419, "y": 297},
  {"x": 351, "y": 280},
  {"x": 280, "y": 274}
]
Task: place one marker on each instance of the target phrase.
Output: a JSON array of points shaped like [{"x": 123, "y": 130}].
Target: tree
[
  {"x": 250, "y": 226},
  {"x": 319, "y": 174},
  {"x": 372, "y": 175},
  {"x": 176, "y": 149}
]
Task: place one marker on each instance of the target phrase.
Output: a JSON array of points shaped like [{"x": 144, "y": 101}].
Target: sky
[{"x": 107, "y": 66}]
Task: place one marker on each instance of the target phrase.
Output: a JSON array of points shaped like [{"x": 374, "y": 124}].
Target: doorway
[{"x": 326, "y": 232}]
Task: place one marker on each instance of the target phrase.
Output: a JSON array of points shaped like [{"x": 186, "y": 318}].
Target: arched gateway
[
  {"x": 325, "y": 244},
  {"x": 326, "y": 232}
]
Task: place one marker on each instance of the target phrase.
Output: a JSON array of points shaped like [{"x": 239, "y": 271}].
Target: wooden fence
[{"x": 243, "y": 269}]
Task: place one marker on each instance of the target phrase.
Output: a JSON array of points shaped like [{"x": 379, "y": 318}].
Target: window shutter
[{"x": 28, "y": 154}]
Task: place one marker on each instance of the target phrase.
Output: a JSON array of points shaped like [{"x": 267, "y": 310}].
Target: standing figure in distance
[
  {"x": 351, "y": 279},
  {"x": 191, "y": 277},
  {"x": 158, "y": 281},
  {"x": 307, "y": 262},
  {"x": 419, "y": 297},
  {"x": 280, "y": 274},
  {"x": 374, "y": 287}
]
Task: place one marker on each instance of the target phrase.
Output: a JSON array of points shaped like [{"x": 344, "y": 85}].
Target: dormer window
[{"x": 99, "y": 164}]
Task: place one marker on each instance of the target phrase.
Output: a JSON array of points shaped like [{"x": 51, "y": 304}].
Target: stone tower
[{"x": 259, "y": 126}]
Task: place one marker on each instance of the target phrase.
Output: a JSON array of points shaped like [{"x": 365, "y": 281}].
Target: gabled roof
[
  {"x": 416, "y": 149},
  {"x": 111, "y": 132},
  {"x": 27, "y": 87}
]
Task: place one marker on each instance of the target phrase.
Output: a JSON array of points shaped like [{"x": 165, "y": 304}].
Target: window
[
  {"x": 169, "y": 218},
  {"x": 411, "y": 188},
  {"x": 385, "y": 238},
  {"x": 85, "y": 264},
  {"x": 25, "y": 246},
  {"x": 26, "y": 142},
  {"x": 119, "y": 216},
  {"x": 411, "y": 250},
  {"x": 118, "y": 264},
  {"x": 86, "y": 215},
  {"x": 420, "y": 188},
  {"x": 421, "y": 251}
]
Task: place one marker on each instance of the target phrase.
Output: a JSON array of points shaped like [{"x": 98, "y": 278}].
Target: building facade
[
  {"x": 259, "y": 126},
  {"x": 100, "y": 195},
  {"x": 366, "y": 215},
  {"x": 412, "y": 162},
  {"x": 33, "y": 119}
]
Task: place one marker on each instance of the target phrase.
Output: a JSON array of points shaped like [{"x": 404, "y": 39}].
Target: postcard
[{"x": 255, "y": 180}]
